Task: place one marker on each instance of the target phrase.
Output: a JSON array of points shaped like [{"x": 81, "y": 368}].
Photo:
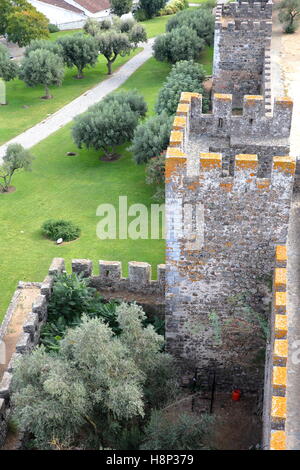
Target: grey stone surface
[{"x": 243, "y": 35}]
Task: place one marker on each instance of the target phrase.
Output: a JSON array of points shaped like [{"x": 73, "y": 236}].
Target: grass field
[
  {"x": 72, "y": 188},
  {"x": 26, "y": 108}
]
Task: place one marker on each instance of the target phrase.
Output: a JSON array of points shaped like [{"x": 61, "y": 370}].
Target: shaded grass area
[
  {"x": 72, "y": 188},
  {"x": 26, "y": 108}
]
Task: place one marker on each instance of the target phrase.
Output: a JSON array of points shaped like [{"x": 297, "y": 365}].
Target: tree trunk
[
  {"x": 109, "y": 67},
  {"x": 47, "y": 93},
  {"x": 79, "y": 73}
]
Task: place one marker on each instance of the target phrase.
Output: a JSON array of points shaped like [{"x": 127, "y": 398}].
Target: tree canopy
[
  {"x": 21, "y": 22},
  {"x": 184, "y": 76},
  {"x": 16, "y": 158},
  {"x": 151, "y": 137},
  {"x": 112, "y": 44},
  {"x": 109, "y": 123},
  {"x": 42, "y": 67},
  {"x": 180, "y": 43},
  {"x": 121, "y": 7},
  {"x": 79, "y": 51},
  {"x": 96, "y": 387}
]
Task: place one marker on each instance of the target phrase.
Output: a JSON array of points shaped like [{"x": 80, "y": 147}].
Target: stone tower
[
  {"x": 222, "y": 228},
  {"x": 242, "y": 50}
]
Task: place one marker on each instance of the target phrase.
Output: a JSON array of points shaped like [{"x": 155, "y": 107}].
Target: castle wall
[
  {"x": 242, "y": 33},
  {"x": 274, "y": 411},
  {"x": 221, "y": 234},
  {"x": 252, "y": 130}
]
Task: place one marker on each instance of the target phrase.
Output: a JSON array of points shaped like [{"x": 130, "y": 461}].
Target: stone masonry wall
[
  {"x": 221, "y": 234},
  {"x": 242, "y": 33}
]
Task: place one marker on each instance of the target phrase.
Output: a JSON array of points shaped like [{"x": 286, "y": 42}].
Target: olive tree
[
  {"x": 112, "y": 44},
  {"x": 151, "y": 7},
  {"x": 43, "y": 44},
  {"x": 151, "y": 137},
  {"x": 121, "y": 7},
  {"x": 184, "y": 76},
  {"x": 289, "y": 14},
  {"x": 16, "y": 158},
  {"x": 199, "y": 20},
  {"x": 96, "y": 387},
  {"x": 105, "y": 126},
  {"x": 79, "y": 51},
  {"x": 179, "y": 44},
  {"x": 42, "y": 67},
  {"x": 137, "y": 34}
]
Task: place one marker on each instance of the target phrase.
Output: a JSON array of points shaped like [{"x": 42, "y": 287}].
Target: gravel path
[{"x": 63, "y": 116}]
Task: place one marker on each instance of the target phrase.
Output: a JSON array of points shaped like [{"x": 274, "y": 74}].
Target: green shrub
[
  {"x": 174, "y": 7},
  {"x": 53, "y": 28},
  {"x": 187, "y": 432},
  {"x": 55, "y": 229},
  {"x": 201, "y": 21}
]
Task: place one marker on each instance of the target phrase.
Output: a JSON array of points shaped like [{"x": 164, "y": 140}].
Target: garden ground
[{"x": 72, "y": 187}]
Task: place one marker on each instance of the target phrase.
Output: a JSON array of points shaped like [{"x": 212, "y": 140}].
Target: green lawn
[
  {"x": 72, "y": 188},
  {"x": 26, "y": 108}
]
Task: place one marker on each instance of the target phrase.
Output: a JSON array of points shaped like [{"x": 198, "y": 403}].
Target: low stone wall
[
  {"x": 274, "y": 414},
  {"x": 29, "y": 337}
]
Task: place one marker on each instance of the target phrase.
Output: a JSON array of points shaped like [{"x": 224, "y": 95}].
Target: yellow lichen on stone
[
  {"x": 279, "y": 378},
  {"x": 182, "y": 109},
  {"x": 280, "y": 299},
  {"x": 223, "y": 96},
  {"x": 281, "y": 253},
  {"x": 278, "y": 408},
  {"x": 243, "y": 161},
  {"x": 280, "y": 351},
  {"x": 250, "y": 100},
  {"x": 186, "y": 97},
  {"x": 210, "y": 160},
  {"x": 280, "y": 277},
  {"x": 226, "y": 186},
  {"x": 179, "y": 123},
  {"x": 176, "y": 139},
  {"x": 263, "y": 183},
  {"x": 281, "y": 326},
  {"x": 174, "y": 166},
  {"x": 284, "y": 101},
  {"x": 278, "y": 440},
  {"x": 285, "y": 164}
]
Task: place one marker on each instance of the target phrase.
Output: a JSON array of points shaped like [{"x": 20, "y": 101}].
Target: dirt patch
[
  {"x": 11, "y": 189},
  {"x": 110, "y": 158},
  {"x": 15, "y": 325},
  {"x": 237, "y": 425}
]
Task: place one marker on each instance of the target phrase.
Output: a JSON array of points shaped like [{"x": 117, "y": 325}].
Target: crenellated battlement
[
  {"x": 228, "y": 132},
  {"x": 237, "y": 25},
  {"x": 248, "y": 9},
  {"x": 206, "y": 169}
]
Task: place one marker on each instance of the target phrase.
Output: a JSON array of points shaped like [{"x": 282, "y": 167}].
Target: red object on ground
[{"x": 236, "y": 395}]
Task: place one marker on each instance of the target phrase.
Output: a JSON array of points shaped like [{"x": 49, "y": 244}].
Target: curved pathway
[{"x": 63, "y": 116}]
